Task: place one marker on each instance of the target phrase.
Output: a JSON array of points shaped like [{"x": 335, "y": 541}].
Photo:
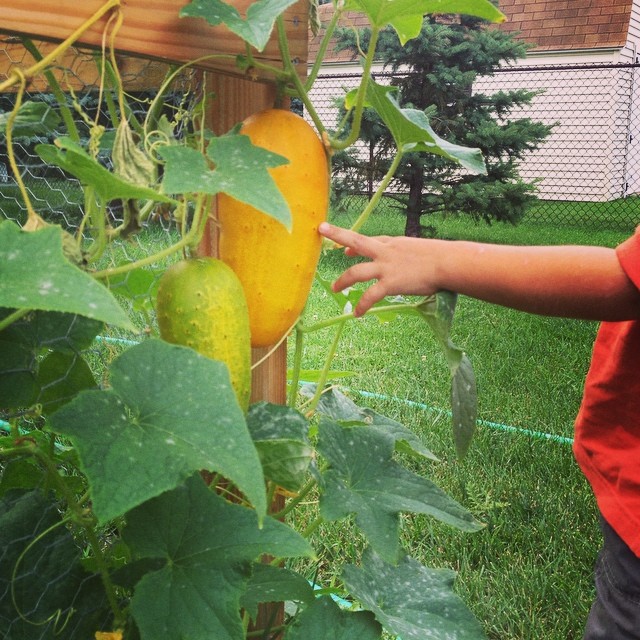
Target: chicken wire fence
[
  {"x": 42, "y": 581},
  {"x": 91, "y": 98},
  {"x": 588, "y": 169}
]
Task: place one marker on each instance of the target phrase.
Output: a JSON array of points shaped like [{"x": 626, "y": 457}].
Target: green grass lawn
[{"x": 528, "y": 573}]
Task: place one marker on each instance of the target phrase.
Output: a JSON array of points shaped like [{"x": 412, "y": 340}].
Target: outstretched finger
[{"x": 355, "y": 243}]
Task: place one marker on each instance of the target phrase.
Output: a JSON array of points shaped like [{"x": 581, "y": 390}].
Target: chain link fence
[
  {"x": 588, "y": 170},
  {"x": 55, "y": 195}
]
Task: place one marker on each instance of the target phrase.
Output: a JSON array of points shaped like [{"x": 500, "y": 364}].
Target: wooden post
[
  {"x": 152, "y": 30},
  {"x": 235, "y": 99}
]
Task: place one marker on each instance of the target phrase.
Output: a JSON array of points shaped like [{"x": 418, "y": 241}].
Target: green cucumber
[{"x": 201, "y": 304}]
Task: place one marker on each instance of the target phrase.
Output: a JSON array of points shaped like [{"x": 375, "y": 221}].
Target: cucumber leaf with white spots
[
  {"x": 338, "y": 406},
  {"x": 241, "y": 171},
  {"x": 35, "y": 274},
  {"x": 208, "y": 546},
  {"x": 168, "y": 413},
  {"x": 410, "y": 600},
  {"x": 363, "y": 479}
]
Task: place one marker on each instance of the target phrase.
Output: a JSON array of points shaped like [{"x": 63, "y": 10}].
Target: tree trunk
[{"x": 414, "y": 206}]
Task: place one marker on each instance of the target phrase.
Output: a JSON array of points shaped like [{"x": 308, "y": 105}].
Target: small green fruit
[{"x": 201, "y": 304}]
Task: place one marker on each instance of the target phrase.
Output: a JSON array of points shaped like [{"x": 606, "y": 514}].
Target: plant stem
[
  {"x": 377, "y": 196},
  {"x": 189, "y": 239},
  {"x": 387, "y": 308},
  {"x": 324, "y": 374},
  {"x": 294, "y": 502},
  {"x": 293, "y": 76},
  {"x": 143, "y": 262},
  {"x": 312, "y": 527},
  {"x": 12, "y": 317},
  {"x": 322, "y": 49},
  {"x": 65, "y": 112},
  {"x": 95, "y": 213},
  {"x": 33, "y": 219},
  {"x": 79, "y": 517},
  {"x": 297, "y": 364},
  {"x": 361, "y": 95}
]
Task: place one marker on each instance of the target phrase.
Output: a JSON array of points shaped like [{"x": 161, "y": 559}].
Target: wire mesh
[
  {"x": 46, "y": 588},
  {"x": 57, "y": 196}
]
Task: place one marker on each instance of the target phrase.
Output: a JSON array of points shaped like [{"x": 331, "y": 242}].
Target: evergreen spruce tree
[{"x": 435, "y": 73}]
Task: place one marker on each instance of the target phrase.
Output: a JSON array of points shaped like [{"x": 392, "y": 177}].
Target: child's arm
[{"x": 569, "y": 281}]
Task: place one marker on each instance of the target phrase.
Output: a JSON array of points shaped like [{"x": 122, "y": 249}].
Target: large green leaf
[
  {"x": 375, "y": 488},
  {"x": 208, "y": 545},
  {"x": 255, "y": 29},
  {"x": 336, "y": 405},
  {"x": 281, "y": 437},
  {"x": 71, "y": 157},
  {"x": 34, "y": 274},
  {"x": 324, "y": 620},
  {"x": 169, "y": 412},
  {"x": 44, "y": 591},
  {"x": 241, "y": 171},
  {"x": 412, "y": 601},
  {"x": 405, "y": 16},
  {"x": 412, "y": 132},
  {"x": 33, "y": 118}
]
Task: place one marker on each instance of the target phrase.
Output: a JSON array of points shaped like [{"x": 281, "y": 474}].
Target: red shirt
[{"x": 607, "y": 430}]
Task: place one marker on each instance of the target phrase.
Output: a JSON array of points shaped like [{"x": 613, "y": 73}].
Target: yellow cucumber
[
  {"x": 276, "y": 267},
  {"x": 201, "y": 305}
]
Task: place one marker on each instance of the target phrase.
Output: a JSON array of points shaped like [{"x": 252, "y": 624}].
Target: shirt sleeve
[{"x": 629, "y": 256}]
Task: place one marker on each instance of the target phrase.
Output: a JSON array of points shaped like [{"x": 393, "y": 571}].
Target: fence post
[{"x": 235, "y": 99}]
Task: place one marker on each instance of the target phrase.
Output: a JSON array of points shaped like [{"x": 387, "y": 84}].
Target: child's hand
[{"x": 397, "y": 265}]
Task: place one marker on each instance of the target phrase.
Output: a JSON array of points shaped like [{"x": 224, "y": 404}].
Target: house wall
[
  {"x": 587, "y": 100},
  {"x": 593, "y": 152}
]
